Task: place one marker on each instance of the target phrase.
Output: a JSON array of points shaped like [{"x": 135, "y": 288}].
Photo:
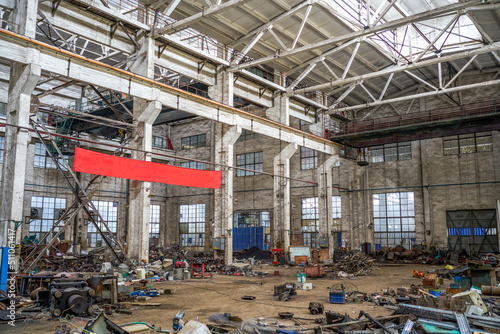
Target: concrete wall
[
  {"x": 439, "y": 183},
  {"x": 429, "y": 175}
]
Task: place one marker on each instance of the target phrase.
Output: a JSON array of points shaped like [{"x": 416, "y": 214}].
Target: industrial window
[
  {"x": 337, "y": 220},
  {"x": 2, "y": 148},
  {"x": 394, "y": 219},
  {"x": 252, "y": 219},
  {"x": 337, "y": 211},
  {"x": 310, "y": 223},
  {"x": 159, "y": 142},
  {"x": 193, "y": 141},
  {"x": 192, "y": 225},
  {"x": 42, "y": 160},
  {"x": 45, "y": 211},
  {"x": 109, "y": 213},
  {"x": 154, "y": 224},
  {"x": 308, "y": 158},
  {"x": 468, "y": 143},
  {"x": 253, "y": 161},
  {"x": 391, "y": 152},
  {"x": 247, "y": 134},
  {"x": 3, "y": 109},
  {"x": 194, "y": 165}
]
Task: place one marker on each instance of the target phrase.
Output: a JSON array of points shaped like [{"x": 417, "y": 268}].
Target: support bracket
[{"x": 201, "y": 64}]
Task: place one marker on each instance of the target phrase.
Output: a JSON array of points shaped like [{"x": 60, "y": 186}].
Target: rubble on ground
[{"x": 356, "y": 264}]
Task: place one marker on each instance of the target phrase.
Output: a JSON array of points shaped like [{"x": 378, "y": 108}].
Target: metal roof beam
[
  {"x": 401, "y": 68},
  {"x": 271, "y": 22},
  {"x": 171, "y": 7},
  {"x": 198, "y": 17},
  {"x": 366, "y": 32},
  {"x": 420, "y": 95},
  {"x": 304, "y": 19},
  {"x": 438, "y": 36}
]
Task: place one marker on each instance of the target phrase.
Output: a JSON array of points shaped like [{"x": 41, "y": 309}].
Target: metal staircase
[
  {"x": 82, "y": 199},
  {"x": 63, "y": 129}
]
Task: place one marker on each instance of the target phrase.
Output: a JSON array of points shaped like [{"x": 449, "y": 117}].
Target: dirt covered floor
[{"x": 200, "y": 298}]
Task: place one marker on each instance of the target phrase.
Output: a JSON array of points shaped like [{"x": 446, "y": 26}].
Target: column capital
[{"x": 286, "y": 153}]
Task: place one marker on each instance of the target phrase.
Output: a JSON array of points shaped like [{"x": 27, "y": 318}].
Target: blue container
[
  {"x": 337, "y": 297},
  {"x": 436, "y": 293},
  {"x": 457, "y": 279},
  {"x": 455, "y": 285}
]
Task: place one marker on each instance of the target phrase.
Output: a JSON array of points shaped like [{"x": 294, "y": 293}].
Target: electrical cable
[
  {"x": 65, "y": 320},
  {"x": 155, "y": 153}
]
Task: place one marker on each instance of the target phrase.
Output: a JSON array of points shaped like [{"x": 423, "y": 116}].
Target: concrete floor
[{"x": 220, "y": 294}]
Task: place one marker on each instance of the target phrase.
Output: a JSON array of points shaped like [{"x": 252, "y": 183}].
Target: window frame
[
  {"x": 309, "y": 213},
  {"x": 188, "y": 143},
  {"x": 248, "y": 135},
  {"x": 252, "y": 160},
  {"x": 308, "y": 158},
  {"x": 393, "y": 219},
  {"x": 459, "y": 149},
  {"x": 93, "y": 236},
  {"x": 48, "y": 163},
  {"x": 163, "y": 140},
  {"x": 194, "y": 165},
  {"x": 192, "y": 220},
  {"x": 258, "y": 218},
  {"x": 396, "y": 150},
  {"x": 42, "y": 225},
  {"x": 154, "y": 223}
]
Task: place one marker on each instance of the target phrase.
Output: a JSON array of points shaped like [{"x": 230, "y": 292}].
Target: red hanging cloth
[{"x": 108, "y": 165}]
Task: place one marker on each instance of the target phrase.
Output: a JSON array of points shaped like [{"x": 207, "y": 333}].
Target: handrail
[
  {"x": 419, "y": 118},
  {"x": 177, "y": 91}
]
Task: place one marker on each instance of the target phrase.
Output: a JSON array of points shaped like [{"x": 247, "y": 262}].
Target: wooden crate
[{"x": 430, "y": 281}]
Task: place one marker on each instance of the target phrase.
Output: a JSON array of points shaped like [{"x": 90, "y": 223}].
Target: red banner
[{"x": 108, "y": 165}]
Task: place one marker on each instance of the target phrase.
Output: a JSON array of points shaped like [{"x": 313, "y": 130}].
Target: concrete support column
[
  {"x": 223, "y": 91},
  {"x": 325, "y": 193},
  {"x": 225, "y": 137},
  {"x": 145, "y": 113},
  {"x": 281, "y": 226},
  {"x": 23, "y": 79},
  {"x": 280, "y": 112}
]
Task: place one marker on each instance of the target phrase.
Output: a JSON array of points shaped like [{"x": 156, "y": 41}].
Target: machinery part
[
  {"x": 92, "y": 292},
  {"x": 65, "y": 283},
  {"x": 285, "y": 315},
  {"x": 285, "y": 296},
  {"x": 176, "y": 322},
  {"x": 92, "y": 309},
  {"x": 408, "y": 327},
  {"x": 375, "y": 321},
  {"x": 463, "y": 324},
  {"x": 56, "y": 312},
  {"x": 71, "y": 300},
  {"x": 34, "y": 213},
  {"x": 78, "y": 303},
  {"x": 248, "y": 297},
  {"x": 316, "y": 308}
]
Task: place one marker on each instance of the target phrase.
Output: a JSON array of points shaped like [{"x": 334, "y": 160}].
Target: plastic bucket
[{"x": 301, "y": 277}]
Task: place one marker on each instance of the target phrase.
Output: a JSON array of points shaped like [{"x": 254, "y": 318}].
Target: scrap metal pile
[{"x": 356, "y": 263}]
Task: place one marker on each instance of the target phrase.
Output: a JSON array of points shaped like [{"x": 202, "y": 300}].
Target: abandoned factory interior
[{"x": 250, "y": 166}]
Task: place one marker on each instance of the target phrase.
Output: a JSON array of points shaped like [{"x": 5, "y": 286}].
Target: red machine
[
  {"x": 198, "y": 270},
  {"x": 277, "y": 254}
]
